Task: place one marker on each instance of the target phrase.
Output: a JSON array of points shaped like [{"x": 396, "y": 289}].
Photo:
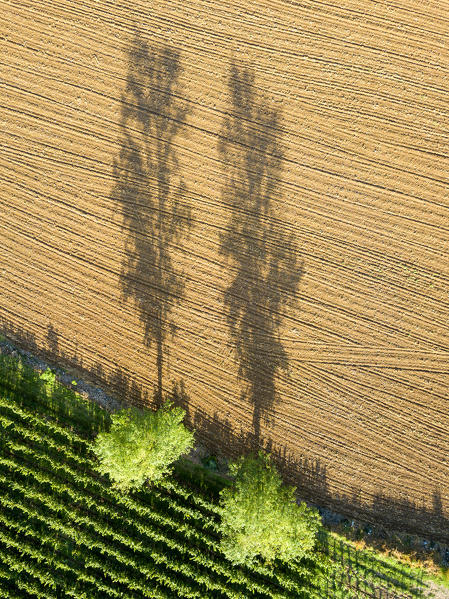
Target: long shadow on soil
[
  {"x": 310, "y": 478},
  {"x": 118, "y": 382},
  {"x": 221, "y": 437},
  {"x": 261, "y": 254},
  {"x": 150, "y": 190},
  {"x": 308, "y": 475}
]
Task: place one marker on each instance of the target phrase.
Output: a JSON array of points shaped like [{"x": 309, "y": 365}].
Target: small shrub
[
  {"x": 210, "y": 462},
  {"x": 260, "y": 516},
  {"x": 142, "y": 445},
  {"x": 49, "y": 378}
]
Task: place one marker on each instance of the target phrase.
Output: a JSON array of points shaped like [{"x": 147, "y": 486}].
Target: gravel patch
[{"x": 436, "y": 591}]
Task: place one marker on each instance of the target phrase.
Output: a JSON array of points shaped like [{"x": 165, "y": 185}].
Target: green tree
[
  {"x": 142, "y": 445},
  {"x": 260, "y": 516}
]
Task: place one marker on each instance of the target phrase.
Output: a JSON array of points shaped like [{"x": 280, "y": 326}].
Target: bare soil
[{"x": 251, "y": 198}]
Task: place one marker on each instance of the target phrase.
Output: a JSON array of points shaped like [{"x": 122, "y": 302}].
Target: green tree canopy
[
  {"x": 260, "y": 516},
  {"x": 142, "y": 445}
]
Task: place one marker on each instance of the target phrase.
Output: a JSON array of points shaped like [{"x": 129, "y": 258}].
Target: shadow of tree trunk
[
  {"x": 261, "y": 255},
  {"x": 151, "y": 191}
]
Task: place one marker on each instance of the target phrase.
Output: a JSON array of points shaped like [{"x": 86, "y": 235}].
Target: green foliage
[
  {"x": 66, "y": 532},
  {"x": 87, "y": 536},
  {"x": 201, "y": 478},
  {"x": 372, "y": 570},
  {"x": 42, "y": 392},
  {"x": 260, "y": 516},
  {"x": 49, "y": 378},
  {"x": 444, "y": 577},
  {"x": 210, "y": 462},
  {"x": 142, "y": 445}
]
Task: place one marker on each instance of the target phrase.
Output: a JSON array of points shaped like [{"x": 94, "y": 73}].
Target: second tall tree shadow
[
  {"x": 261, "y": 254},
  {"x": 150, "y": 190}
]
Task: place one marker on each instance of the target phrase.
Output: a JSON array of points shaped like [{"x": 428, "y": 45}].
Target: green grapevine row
[
  {"x": 50, "y": 538},
  {"x": 48, "y": 448},
  {"x": 184, "y": 568},
  {"x": 91, "y": 541}
]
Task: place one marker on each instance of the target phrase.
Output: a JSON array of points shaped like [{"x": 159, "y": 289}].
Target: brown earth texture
[{"x": 249, "y": 200}]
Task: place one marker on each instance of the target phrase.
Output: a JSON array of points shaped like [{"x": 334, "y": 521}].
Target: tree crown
[
  {"x": 142, "y": 445},
  {"x": 260, "y": 515}
]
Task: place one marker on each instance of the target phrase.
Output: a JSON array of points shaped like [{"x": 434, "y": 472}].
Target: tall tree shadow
[
  {"x": 262, "y": 255},
  {"x": 220, "y": 435},
  {"x": 151, "y": 191}
]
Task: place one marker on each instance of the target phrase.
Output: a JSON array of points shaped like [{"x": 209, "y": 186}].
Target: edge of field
[{"x": 435, "y": 575}]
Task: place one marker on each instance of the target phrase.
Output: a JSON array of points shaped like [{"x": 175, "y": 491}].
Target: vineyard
[
  {"x": 365, "y": 574},
  {"x": 65, "y": 533}
]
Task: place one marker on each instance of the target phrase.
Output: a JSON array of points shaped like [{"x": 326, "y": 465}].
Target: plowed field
[{"x": 251, "y": 198}]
